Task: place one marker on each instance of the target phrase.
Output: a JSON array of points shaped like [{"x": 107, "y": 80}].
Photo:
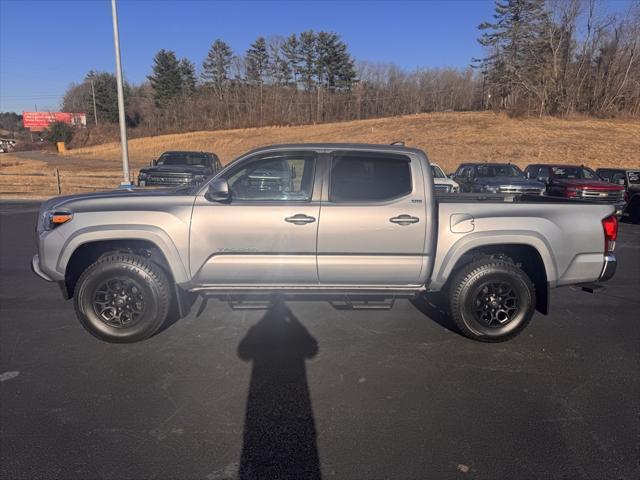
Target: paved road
[{"x": 311, "y": 391}]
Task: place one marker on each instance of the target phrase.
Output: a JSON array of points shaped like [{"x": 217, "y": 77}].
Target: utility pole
[
  {"x": 123, "y": 127},
  {"x": 95, "y": 111}
]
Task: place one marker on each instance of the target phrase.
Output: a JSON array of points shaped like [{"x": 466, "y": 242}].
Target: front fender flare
[{"x": 152, "y": 234}]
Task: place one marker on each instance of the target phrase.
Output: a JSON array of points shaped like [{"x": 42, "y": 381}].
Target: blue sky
[{"x": 46, "y": 45}]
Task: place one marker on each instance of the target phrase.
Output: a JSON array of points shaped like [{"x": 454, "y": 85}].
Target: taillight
[{"x": 610, "y": 227}]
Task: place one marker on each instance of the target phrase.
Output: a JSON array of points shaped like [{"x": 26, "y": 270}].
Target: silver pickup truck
[{"x": 358, "y": 225}]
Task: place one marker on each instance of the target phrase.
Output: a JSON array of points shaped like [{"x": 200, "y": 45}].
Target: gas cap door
[{"x": 461, "y": 223}]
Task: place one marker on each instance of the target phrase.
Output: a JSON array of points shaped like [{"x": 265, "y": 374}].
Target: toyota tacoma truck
[{"x": 357, "y": 225}]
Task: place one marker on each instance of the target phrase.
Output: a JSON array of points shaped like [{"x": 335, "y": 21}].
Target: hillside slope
[{"x": 448, "y": 138}]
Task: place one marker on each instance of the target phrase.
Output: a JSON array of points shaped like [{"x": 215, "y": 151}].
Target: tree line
[{"x": 543, "y": 57}]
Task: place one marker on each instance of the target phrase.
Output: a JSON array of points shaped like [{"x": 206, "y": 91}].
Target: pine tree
[
  {"x": 291, "y": 54},
  {"x": 215, "y": 68},
  {"x": 279, "y": 68},
  {"x": 257, "y": 61},
  {"x": 308, "y": 58},
  {"x": 166, "y": 79},
  {"x": 516, "y": 44},
  {"x": 106, "y": 94},
  {"x": 188, "y": 76},
  {"x": 334, "y": 66}
]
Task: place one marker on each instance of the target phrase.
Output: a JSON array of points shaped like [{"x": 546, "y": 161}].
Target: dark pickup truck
[
  {"x": 495, "y": 178},
  {"x": 630, "y": 180},
  {"x": 176, "y": 168},
  {"x": 577, "y": 182}
]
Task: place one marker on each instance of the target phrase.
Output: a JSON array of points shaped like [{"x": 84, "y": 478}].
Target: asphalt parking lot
[{"x": 305, "y": 391}]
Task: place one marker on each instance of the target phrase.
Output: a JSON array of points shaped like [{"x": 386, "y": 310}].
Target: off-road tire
[
  {"x": 146, "y": 279},
  {"x": 467, "y": 286}
]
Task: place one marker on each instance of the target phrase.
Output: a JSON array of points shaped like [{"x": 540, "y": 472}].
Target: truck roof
[{"x": 338, "y": 146}]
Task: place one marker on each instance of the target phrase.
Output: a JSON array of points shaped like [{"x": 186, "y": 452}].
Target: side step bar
[
  {"x": 363, "y": 304},
  {"x": 262, "y": 302}
]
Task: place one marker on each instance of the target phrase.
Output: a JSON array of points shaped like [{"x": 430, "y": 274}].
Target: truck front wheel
[
  {"x": 492, "y": 300},
  {"x": 122, "y": 298}
]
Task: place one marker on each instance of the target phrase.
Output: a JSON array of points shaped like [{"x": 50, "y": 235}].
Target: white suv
[{"x": 442, "y": 182}]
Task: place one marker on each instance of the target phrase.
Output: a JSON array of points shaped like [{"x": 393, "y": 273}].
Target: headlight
[
  {"x": 142, "y": 176},
  {"x": 490, "y": 189},
  {"x": 198, "y": 178},
  {"x": 53, "y": 219},
  {"x": 455, "y": 188}
]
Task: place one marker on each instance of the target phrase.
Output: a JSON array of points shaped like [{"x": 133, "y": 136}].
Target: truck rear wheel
[
  {"x": 492, "y": 300},
  {"x": 122, "y": 298}
]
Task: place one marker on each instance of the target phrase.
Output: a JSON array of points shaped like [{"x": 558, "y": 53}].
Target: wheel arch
[
  {"x": 527, "y": 256},
  {"x": 86, "y": 253}
]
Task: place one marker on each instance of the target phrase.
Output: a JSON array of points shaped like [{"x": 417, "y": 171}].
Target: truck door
[
  {"x": 266, "y": 233},
  {"x": 372, "y": 224}
]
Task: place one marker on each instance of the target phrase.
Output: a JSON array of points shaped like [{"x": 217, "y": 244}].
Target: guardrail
[{"x": 57, "y": 182}]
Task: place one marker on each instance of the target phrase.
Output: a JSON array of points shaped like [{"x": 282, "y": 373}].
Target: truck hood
[
  {"x": 130, "y": 196},
  {"x": 445, "y": 181},
  {"x": 518, "y": 181},
  {"x": 585, "y": 183},
  {"x": 189, "y": 169}
]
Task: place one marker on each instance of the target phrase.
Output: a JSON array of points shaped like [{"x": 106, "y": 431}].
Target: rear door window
[{"x": 358, "y": 177}]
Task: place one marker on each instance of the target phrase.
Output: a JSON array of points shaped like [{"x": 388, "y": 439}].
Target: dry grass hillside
[{"x": 448, "y": 138}]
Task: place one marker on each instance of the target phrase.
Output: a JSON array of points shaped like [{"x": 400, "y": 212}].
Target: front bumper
[
  {"x": 609, "y": 267},
  {"x": 35, "y": 267}
]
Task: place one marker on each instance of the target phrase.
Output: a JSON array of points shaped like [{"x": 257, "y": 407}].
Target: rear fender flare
[{"x": 485, "y": 239}]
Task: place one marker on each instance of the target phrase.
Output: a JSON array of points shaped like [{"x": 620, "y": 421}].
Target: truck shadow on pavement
[
  {"x": 434, "y": 306},
  {"x": 279, "y": 432}
]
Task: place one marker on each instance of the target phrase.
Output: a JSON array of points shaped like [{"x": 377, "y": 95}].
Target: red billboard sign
[{"x": 36, "y": 121}]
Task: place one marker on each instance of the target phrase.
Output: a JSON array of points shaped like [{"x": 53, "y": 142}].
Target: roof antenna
[{"x": 399, "y": 143}]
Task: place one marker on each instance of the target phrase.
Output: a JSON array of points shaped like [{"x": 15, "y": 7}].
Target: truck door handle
[
  {"x": 404, "y": 219},
  {"x": 300, "y": 219}
]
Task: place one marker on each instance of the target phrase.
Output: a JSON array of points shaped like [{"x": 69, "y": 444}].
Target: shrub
[{"x": 59, "y": 132}]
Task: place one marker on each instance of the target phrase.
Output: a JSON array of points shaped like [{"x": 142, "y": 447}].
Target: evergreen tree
[
  {"x": 334, "y": 66},
  {"x": 291, "y": 54},
  {"x": 106, "y": 93},
  {"x": 257, "y": 61},
  {"x": 308, "y": 57},
  {"x": 166, "y": 79},
  {"x": 516, "y": 42},
  {"x": 279, "y": 68},
  {"x": 188, "y": 74},
  {"x": 215, "y": 68}
]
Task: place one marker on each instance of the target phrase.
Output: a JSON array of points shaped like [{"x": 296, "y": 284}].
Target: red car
[{"x": 579, "y": 182}]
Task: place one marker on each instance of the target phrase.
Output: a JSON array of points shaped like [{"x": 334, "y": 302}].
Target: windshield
[
  {"x": 437, "y": 172},
  {"x": 574, "y": 173},
  {"x": 180, "y": 158},
  {"x": 499, "y": 171}
]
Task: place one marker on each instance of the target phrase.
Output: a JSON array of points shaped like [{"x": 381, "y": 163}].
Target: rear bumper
[
  {"x": 609, "y": 267},
  {"x": 35, "y": 267}
]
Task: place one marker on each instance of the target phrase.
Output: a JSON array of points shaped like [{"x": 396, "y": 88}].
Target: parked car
[
  {"x": 630, "y": 180},
  {"x": 360, "y": 226},
  {"x": 442, "y": 182},
  {"x": 577, "y": 182},
  {"x": 179, "y": 168},
  {"x": 496, "y": 178}
]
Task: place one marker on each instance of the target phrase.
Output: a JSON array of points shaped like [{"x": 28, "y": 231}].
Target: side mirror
[
  {"x": 218, "y": 191},
  {"x": 543, "y": 179}
]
